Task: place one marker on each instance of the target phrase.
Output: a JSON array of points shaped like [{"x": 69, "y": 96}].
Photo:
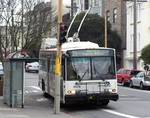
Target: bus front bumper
[{"x": 91, "y": 97}]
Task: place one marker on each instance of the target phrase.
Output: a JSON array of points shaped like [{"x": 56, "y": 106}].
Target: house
[
  {"x": 143, "y": 32},
  {"x": 83, "y": 5}
]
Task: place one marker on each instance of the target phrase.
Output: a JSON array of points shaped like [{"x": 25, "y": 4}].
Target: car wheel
[
  {"x": 26, "y": 70},
  {"x": 131, "y": 84},
  {"x": 122, "y": 82},
  {"x": 141, "y": 86}
]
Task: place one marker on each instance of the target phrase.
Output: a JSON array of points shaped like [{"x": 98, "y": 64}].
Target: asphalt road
[{"x": 133, "y": 103}]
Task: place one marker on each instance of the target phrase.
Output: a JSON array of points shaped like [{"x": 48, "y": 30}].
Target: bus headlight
[
  {"x": 71, "y": 92},
  {"x": 114, "y": 90}
]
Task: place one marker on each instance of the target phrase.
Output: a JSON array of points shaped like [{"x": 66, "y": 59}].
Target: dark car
[{"x": 124, "y": 75}]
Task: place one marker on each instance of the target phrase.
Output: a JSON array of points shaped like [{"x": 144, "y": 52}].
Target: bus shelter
[
  {"x": 13, "y": 86},
  {"x": 13, "y": 82}
]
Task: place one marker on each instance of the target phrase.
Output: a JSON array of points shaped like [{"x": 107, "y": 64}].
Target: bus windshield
[{"x": 90, "y": 68}]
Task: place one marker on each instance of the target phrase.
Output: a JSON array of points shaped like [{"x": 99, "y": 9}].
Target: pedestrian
[{"x": 146, "y": 67}]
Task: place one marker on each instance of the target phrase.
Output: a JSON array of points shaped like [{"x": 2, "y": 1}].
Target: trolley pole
[{"x": 58, "y": 61}]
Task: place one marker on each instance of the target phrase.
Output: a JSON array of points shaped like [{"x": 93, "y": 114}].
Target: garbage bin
[{"x": 1, "y": 85}]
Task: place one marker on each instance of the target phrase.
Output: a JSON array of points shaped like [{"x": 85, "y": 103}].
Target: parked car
[
  {"x": 18, "y": 54},
  {"x": 1, "y": 70},
  {"x": 32, "y": 67},
  {"x": 141, "y": 80},
  {"x": 124, "y": 75}
]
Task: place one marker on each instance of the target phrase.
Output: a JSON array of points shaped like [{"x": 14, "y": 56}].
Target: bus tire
[
  {"x": 105, "y": 102},
  {"x": 43, "y": 85},
  {"x": 46, "y": 95}
]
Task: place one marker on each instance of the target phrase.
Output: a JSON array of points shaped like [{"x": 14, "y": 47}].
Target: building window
[
  {"x": 86, "y": 4},
  {"x": 95, "y": 3},
  {"x": 139, "y": 12},
  {"x": 131, "y": 42},
  {"x": 114, "y": 15},
  {"x": 131, "y": 14},
  {"x": 139, "y": 42}
]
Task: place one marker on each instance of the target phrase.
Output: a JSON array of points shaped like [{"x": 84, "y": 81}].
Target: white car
[
  {"x": 30, "y": 67},
  {"x": 1, "y": 70},
  {"x": 141, "y": 80}
]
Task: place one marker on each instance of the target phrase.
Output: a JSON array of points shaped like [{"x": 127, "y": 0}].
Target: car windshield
[{"x": 87, "y": 68}]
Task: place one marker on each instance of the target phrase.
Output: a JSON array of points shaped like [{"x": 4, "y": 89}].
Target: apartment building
[
  {"x": 116, "y": 15},
  {"x": 143, "y": 32},
  {"x": 83, "y": 5}
]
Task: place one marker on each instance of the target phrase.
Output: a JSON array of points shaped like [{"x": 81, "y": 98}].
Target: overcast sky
[{"x": 66, "y": 2}]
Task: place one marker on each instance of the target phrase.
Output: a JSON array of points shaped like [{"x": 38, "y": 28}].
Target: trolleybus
[{"x": 88, "y": 73}]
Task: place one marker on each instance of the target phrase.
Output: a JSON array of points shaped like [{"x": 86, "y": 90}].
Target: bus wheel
[
  {"x": 105, "y": 102},
  {"x": 62, "y": 105},
  {"x": 43, "y": 85},
  {"x": 46, "y": 95}
]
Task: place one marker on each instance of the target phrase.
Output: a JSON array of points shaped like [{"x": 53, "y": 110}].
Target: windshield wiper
[
  {"x": 76, "y": 72},
  {"x": 83, "y": 75}
]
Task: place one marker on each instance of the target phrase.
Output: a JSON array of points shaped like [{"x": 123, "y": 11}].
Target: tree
[
  {"x": 17, "y": 34},
  {"x": 145, "y": 54},
  {"x": 93, "y": 30},
  {"x": 37, "y": 25},
  {"x": 9, "y": 26}
]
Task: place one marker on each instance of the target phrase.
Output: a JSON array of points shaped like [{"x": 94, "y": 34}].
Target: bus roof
[
  {"x": 79, "y": 45},
  {"x": 76, "y": 46}
]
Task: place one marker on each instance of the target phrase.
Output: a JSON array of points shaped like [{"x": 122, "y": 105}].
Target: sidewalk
[{"x": 36, "y": 106}]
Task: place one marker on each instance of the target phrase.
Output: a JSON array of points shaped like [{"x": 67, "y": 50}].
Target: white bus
[{"x": 88, "y": 73}]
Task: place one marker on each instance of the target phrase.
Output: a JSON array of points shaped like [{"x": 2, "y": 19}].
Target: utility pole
[
  {"x": 22, "y": 41},
  {"x": 135, "y": 37},
  {"x": 72, "y": 9},
  {"x": 106, "y": 39},
  {"x": 58, "y": 61}
]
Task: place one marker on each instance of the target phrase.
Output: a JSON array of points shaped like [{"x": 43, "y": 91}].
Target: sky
[{"x": 66, "y": 2}]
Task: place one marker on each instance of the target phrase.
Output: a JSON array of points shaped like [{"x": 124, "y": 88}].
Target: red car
[{"x": 124, "y": 75}]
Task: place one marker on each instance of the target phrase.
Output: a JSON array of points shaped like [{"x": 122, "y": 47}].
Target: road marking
[
  {"x": 120, "y": 114},
  {"x": 41, "y": 99},
  {"x": 17, "y": 116},
  {"x": 8, "y": 109},
  {"x": 35, "y": 87},
  {"x": 133, "y": 89},
  {"x": 35, "y": 91}
]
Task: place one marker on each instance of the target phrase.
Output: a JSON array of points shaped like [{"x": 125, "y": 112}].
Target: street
[{"x": 133, "y": 103}]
